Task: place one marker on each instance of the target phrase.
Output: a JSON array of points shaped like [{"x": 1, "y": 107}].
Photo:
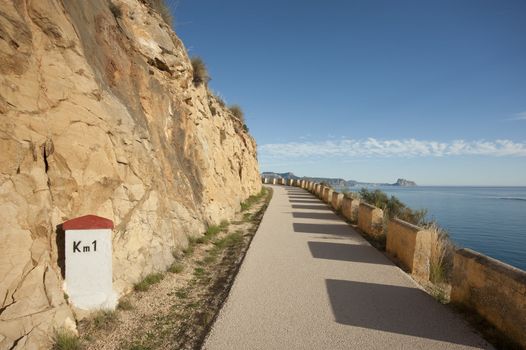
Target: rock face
[
  {"x": 99, "y": 115},
  {"x": 404, "y": 183}
]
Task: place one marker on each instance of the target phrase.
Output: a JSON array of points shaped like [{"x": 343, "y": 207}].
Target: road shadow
[
  {"x": 347, "y": 252},
  {"x": 327, "y": 229},
  {"x": 312, "y": 201},
  {"x": 396, "y": 309},
  {"x": 314, "y": 207},
  {"x": 315, "y": 215}
]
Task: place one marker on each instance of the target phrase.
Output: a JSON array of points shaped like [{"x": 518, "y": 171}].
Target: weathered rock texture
[{"x": 99, "y": 115}]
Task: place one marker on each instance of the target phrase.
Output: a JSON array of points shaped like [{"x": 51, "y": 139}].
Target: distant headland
[{"x": 338, "y": 182}]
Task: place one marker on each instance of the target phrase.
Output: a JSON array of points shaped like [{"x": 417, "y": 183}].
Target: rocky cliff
[{"x": 100, "y": 115}]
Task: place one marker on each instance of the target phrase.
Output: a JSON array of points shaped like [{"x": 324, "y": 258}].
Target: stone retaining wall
[
  {"x": 410, "y": 245},
  {"x": 349, "y": 209},
  {"x": 493, "y": 289},
  {"x": 319, "y": 191},
  {"x": 336, "y": 200},
  {"x": 488, "y": 287},
  {"x": 370, "y": 219}
]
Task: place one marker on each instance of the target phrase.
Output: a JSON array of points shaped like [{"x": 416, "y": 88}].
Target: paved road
[{"x": 309, "y": 281}]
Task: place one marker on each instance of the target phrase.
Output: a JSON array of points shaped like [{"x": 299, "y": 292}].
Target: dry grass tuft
[
  {"x": 65, "y": 340},
  {"x": 200, "y": 71},
  {"x": 237, "y": 112},
  {"x": 442, "y": 249}
]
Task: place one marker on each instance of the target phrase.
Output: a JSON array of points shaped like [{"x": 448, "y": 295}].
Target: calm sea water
[{"x": 490, "y": 220}]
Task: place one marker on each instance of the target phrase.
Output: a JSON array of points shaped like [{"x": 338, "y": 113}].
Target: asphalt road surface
[{"x": 309, "y": 281}]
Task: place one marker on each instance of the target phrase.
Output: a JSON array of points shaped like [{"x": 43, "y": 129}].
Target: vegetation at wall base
[
  {"x": 393, "y": 207},
  {"x": 176, "y": 268},
  {"x": 442, "y": 250},
  {"x": 253, "y": 199},
  {"x": 190, "y": 301},
  {"x": 64, "y": 339},
  {"x": 125, "y": 305},
  {"x": 148, "y": 281},
  {"x": 104, "y": 319}
]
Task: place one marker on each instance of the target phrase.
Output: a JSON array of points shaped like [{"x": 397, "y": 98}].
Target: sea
[{"x": 490, "y": 220}]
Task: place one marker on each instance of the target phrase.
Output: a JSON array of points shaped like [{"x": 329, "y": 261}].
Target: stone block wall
[
  {"x": 336, "y": 200},
  {"x": 488, "y": 287},
  {"x": 319, "y": 191},
  {"x": 349, "y": 209},
  {"x": 409, "y": 245},
  {"x": 493, "y": 289},
  {"x": 370, "y": 219}
]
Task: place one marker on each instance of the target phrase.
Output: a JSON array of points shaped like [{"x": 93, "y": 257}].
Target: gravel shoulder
[{"x": 177, "y": 310}]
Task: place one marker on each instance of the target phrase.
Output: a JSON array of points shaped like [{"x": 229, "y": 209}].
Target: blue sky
[{"x": 372, "y": 90}]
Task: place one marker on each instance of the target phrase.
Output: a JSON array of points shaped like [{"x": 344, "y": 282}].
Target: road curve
[{"x": 309, "y": 281}]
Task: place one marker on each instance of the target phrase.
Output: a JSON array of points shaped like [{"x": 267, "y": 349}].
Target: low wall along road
[{"x": 482, "y": 285}]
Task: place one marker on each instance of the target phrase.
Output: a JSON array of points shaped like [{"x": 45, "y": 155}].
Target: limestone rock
[{"x": 99, "y": 116}]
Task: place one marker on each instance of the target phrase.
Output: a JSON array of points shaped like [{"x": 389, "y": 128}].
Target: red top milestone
[{"x": 88, "y": 222}]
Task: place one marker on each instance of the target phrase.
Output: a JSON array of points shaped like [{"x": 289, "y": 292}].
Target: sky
[{"x": 372, "y": 90}]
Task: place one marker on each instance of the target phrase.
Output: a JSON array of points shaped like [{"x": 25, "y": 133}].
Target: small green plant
[
  {"x": 181, "y": 294},
  {"x": 189, "y": 250},
  {"x": 199, "y": 272},
  {"x": 213, "y": 230},
  {"x": 200, "y": 75},
  {"x": 176, "y": 268},
  {"x": 104, "y": 319},
  {"x": 229, "y": 240},
  {"x": 253, "y": 199},
  {"x": 64, "y": 339},
  {"x": 210, "y": 259},
  {"x": 148, "y": 281},
  {"x": 223, "y": 224},
  {"x": 125, "y": 305},
  {"x": 237, "y": 112}
]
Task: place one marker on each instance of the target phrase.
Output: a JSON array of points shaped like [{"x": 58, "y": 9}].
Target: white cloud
[
  {"x": 519, "y": 116},
  {"x": 372, "y": 147}
]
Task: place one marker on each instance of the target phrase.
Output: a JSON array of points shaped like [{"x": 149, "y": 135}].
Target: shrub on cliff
[
  {"x": 200, "y": 72},
  {"x": 237, "y": 112},
  {"x": 161, "y": 8},
  {"x": 393, "y": 207}
]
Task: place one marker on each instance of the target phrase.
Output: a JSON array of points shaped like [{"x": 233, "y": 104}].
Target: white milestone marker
[{"x": 89, "y": 263}]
